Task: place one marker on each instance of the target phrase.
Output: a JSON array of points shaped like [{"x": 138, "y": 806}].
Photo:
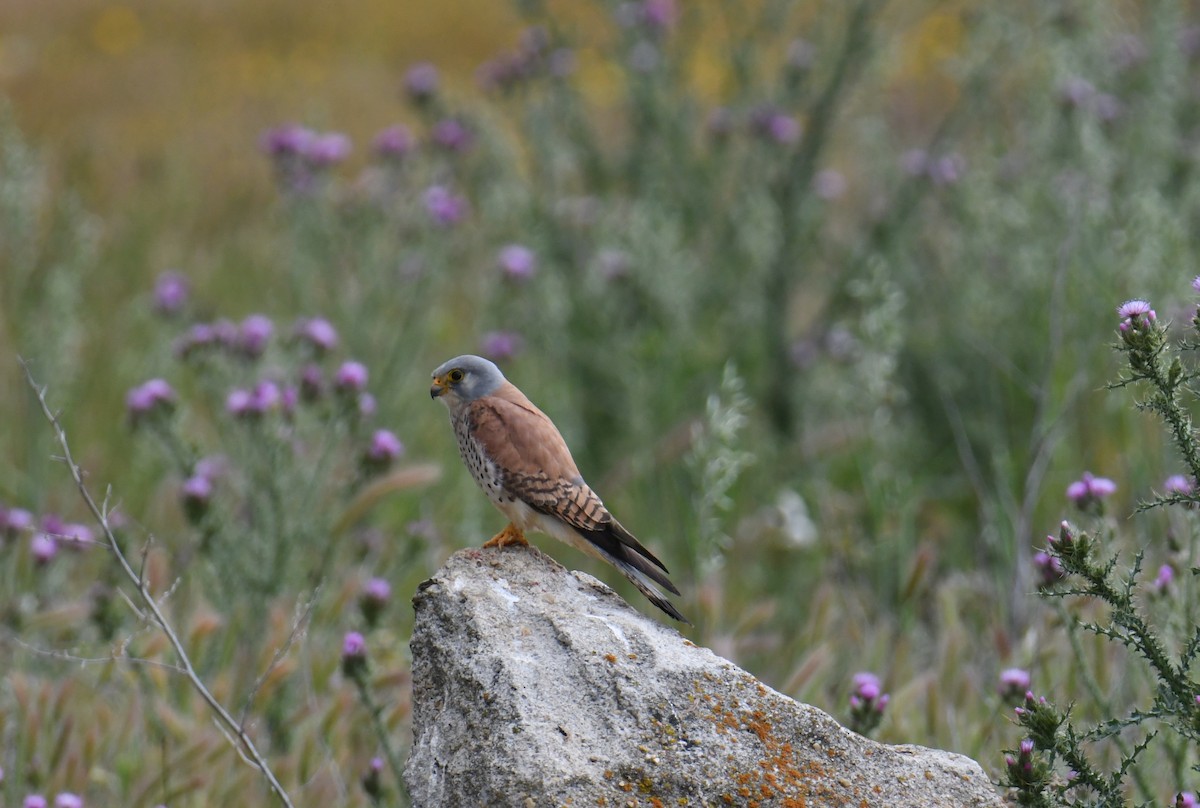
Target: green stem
[
  {"x": 381, "y": 732},
  {"x": 1097, "y": 695}
]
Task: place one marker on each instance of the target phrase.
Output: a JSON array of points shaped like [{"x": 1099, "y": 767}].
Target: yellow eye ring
[{"x": 455, "y": 376}]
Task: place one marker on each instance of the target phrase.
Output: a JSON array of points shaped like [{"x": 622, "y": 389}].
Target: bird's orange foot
[{"x": 510, "y": 535}]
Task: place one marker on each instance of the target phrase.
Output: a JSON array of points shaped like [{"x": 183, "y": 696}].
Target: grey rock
[{"x": 534, "y": 686}]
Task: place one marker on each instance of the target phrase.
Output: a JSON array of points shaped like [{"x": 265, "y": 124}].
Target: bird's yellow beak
[{"x": 438, "y": 388}]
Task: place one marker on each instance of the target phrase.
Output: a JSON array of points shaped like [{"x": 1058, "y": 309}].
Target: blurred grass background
[{"x": 842, "y": 420}]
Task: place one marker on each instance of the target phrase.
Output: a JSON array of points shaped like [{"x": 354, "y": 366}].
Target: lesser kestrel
[{"x": 520, "y": 460}]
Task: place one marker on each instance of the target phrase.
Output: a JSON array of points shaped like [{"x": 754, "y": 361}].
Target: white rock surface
[{"x": 534, "y": 686}]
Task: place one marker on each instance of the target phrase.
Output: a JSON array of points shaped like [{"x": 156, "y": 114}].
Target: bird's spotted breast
[{"x": 487, "y": 475}]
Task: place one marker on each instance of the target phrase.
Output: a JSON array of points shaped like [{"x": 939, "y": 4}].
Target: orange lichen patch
[
  {"x": 779, "y": 778},
  {"x": 611, "y": 657}
]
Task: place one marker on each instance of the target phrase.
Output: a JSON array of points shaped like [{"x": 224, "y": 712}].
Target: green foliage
[{"x": 1150, "y": 631}]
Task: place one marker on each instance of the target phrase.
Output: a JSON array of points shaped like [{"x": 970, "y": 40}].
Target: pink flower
[
  {"x": 171, "y": 292},
  {"x": 1089, "y": 490},
  {"x": 43, "y": 548},
  {"x": 154, "y": 395},
  {"x": 394, "y": 142},
  {"x": 517, "y": 262},
  {"x": 385, "y": 447},
  {"x": 1133, "y": 308},
  {"x": 421, "y": 82},
  {"x": 351, "y": 377},
  {"x": 444, "y": 207},
  {"x": 317, "y": 332},
  {"x": 1014, "y": 683},
  {"x": 1177, "y": 484},
  {"x": 254, "y": 333}
]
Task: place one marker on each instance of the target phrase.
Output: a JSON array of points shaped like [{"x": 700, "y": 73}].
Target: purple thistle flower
[
  {"x": 197, "y": 489},
  {"x": 377, "y": 589},
  {"x": 385, "y": 447},
  {"x": 421, "y": 82},
  {"x": 659, "y": 15},
  {"x": 775, "y": 126},
  {"x": 374, "y": 599},
  {"x": 43, "y": 548},
  {"x": 16, "y": 520},
  {"x": 1134, "y": 308},
  {"x": 500, "y": 345},
  {"x": 354, "y": 645},
  {"x": 866, "y": 685},
  {"x": 452, "y": 135},
  {"x": 68, "y": 800},
  {"x": 154, "y": 395},
  {"x": 1177, "y": 484},
  {"x": 196, "y": 495},
  {"x": 867, "y": 702},
  {"x": 1164, "y": 579},
  {"x": 1049, "y": 567},
  {"x": 171, "y": 292},
  {"x": 198, "y": 336},
  {"x": 289, "y": 397},
  {"x": 254, "y": 334},
  {"x": 517, "y": 262},
  {"x": 1196, "y": 283},
  {"x": 317, "y": 332},
  {"x": 394, "y": 143},
  {"x": 1014, "y": 683},
  {"x": 1090, "y": 490},
  {"x": 366, "y": 405},
  {"x": 354, "y": 654},
  {"x": 287, "y": 140},
  {"x": 444, "y": 207},
  {"x": 351, "y": 377},
  {"x": 1186, "y": 799},
  {"x": 35, "y": 801},
  {"x": 328, "y": 149},
  {"x": 239, "y": 402},
  {"x": 265, "y": 397}
]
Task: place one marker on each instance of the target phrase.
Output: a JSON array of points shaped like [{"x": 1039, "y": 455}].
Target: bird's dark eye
[{"x": 455, "y": 376}]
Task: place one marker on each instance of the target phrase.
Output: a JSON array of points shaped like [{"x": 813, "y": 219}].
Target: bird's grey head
[{"x": 464, "y": 379}]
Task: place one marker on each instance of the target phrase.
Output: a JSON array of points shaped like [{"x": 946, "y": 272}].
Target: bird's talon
[{"x": 510, "y": 535}]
